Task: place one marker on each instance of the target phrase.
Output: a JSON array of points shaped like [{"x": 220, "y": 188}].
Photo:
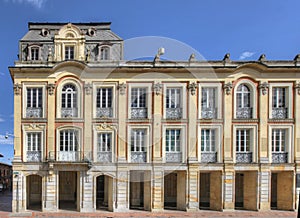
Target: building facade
[{"x": 93, "y": 131}]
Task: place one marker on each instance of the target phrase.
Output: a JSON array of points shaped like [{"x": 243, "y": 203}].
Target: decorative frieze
[
  {"x": 157, "y": 87},
  {"x": 192, "y": 87},
  {"x": 51, "y": 88},
  {"x": 88, "y": 88},
  {"x": 227, "y": 87},
  {"x": 264, "y": 87},
  {"x": 122, "y": 88},
  {"x": 17, "y": 88}
]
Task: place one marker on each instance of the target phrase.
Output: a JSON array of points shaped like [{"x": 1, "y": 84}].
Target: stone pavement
[{"x": 5, "y": 211}]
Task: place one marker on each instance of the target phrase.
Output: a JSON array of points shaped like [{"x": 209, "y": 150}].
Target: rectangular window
[
  {"x": 138, "y": 140},
  {"x": 34, "y": 141},
  {"x": 173, "y": 140},
  {"x": 278, "y": 140},
  {"x": 34, "y": 54},
  {"x": 138, "y": 97},
  {"x": 104, "y": 142},
  {"x": 68, "y": 140},
  {"x": 69, "y": 52},
  {"x": 173, "y": 98},
  {"x": 104, "y": 53},
  {"x": 34, "y": 97},
  {"x": 208, "y": 98},
  {"x": 243, "y": 140},
  {"x": 104, "y": 98},
  {"x": 208, "y": 140},
  {"x": 278, "y": 97}
]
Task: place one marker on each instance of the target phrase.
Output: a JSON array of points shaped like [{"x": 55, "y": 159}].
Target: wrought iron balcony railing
[
  {"x": 208, "y": 157},
  {"x": 209, "y": 113},
  {"x": 104, "y": 112},
  {"x": 34, "y": 112},
  {"x": 173, "y": 157},
  {"x": 139, "y": 113},
  {"x": 138, "y": 156},
  {"x": 174, "y": 113},
  {"x": 244, "y": 157},
  {"x": 244, "y": 113},
  {"x": 104, "y": 156},
  {"x": 70, "y": 156},
  {"x": 33, "y": 156},
  {"x": 69, "y": 112},
  {"x": 279, "y": 157},
  {"x": 279, "y": 113}
]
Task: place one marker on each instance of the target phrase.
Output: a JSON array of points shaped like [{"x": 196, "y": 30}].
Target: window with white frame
[
  {"x": 208, "y": 140},
  {"x": 69, "y": 101},
  {"x": 243, "y": 140},
  {"x": 104, "y": 102},
  {"x": 173, "y": 98},
  {"x": 34, "y": 102},
  {"x": 68, "y": 140},
  {"x": 243, "y": 102},
  {"x": 208, "y": 102},
  {"x": 104, "y": 53},
  {"x": 139, "y": 103},
  {"x": 104, "y": 142},
  {"x": 34, "y": 145},
  {"x": 138, "y": 140},
  {"x": 69, "y": 52},
  {"x": 34, "y": 53},
  {"x": 279, "y": 104},
  {"x": 173, "y": 140},
  {"x": 278, "y": 140}
]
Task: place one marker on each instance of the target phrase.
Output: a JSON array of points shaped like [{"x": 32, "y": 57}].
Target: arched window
[
  {"x": 104, "y": 53},
  {"x": 69, "y": 101},
  {"x": 243, "y": 102}
]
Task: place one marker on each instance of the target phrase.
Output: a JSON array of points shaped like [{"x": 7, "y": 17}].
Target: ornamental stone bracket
[
  {"x": 264, "y": 87},
  {"x": 192, "y": 87},
  {"x": 122, "y": 88},
  {"x": 51, "y": 87},
  {"x": 227, "y": 87},
  {"x": 88, "y": 88},
  {"x": 157, "y": 87},
  {"x": 17, "y": 88},
  {"x": 297, "y": 87}
]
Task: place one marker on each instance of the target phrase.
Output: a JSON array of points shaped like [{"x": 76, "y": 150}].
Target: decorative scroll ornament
[
  {"x": 157, "y": 87},
  {"x": 227, "y": 87},
  {"x": 17, "y": 88},
  {"x": 122, "y": 88},
  {"x": 297, "y": 87},
  {"x": 88, "y": 88},
  {"x": 51, "y": 88},
  {"x": 264, "y": 88},
  {"x": 192, "y": 87},
  {"x": 105, "y": 126}
]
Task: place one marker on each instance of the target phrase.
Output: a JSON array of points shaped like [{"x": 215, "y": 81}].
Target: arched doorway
[
  {"x": 104, "y": 193},
  {"x": 34, "y": 192}
]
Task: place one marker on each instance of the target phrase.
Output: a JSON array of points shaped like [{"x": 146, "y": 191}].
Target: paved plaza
[{"x": 5, "y": 211}]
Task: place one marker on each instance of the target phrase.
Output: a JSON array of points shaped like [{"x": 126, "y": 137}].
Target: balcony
[
  {"x": 244, "y": 113},
  {"x": 209, "y": 113},
  {"x": 173, "y": 113},
  {"x": 243, "y": 157},
  {"x": 279, "y": 157},
  {"x": 69, "y": 156},
  {"x": 139, "y": 113},
  {"x": 34, "y": 112},
  {"x": 33, "y": 156},
  {"x": 104, "y": 156},
  {"x": 208, "y": 157},
  {"x": 173, "y": 157},
  {"x": 104, "y": 112},
  {"x": 279, "y": 113},
  {"x": 138, "y": 157},
  {"x": 69, "y": 112}
]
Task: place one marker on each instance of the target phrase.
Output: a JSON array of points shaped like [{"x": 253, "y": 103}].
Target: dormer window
[
  {"x": 34, "y": 53},
  {"x": 104, "y": 53},
  {"x": 69, "y": 52}
]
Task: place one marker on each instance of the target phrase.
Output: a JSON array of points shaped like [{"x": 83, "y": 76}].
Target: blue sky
[{"x": 245, "y": 29}]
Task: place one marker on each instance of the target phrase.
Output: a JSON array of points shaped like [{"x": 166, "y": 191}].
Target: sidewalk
[{"x": 6, "y": 197}]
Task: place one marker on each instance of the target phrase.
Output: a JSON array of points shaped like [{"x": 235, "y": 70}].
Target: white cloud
[
  {"x": 1, "y": 120},
  {"x": 6, "y": 141},
  {"x": 246, "y": 54},
  {"x": 36, "y": 3}
]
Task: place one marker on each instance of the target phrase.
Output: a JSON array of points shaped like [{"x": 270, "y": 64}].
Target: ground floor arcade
[{"x": 154, "y": 188}]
